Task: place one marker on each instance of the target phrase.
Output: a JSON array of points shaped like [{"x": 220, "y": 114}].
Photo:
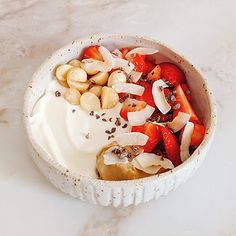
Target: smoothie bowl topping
[{"x": 117, "y": 115}]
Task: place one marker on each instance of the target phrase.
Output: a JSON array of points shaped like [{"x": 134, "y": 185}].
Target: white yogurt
[{"x": 69, "y": 134}]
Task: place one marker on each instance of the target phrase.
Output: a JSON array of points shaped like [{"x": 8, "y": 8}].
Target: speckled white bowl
[{"x": 120, "y": 193}]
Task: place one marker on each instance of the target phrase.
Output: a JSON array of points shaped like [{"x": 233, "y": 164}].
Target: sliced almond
[
  {"x": 97, "y": 90},
  {"x": 115, "y": 77},
  {"x": 90, "y": 102},
  {"x": 73, "y": 96},
  {"x": 88, "y": 66},
  {"x": 109, "y": 97},
  {"x": 61, "y": 72},
  {"x": 75, "y": 63},
  {"x": 76, "y": 74},
  {"x": 100, "y": 78}
]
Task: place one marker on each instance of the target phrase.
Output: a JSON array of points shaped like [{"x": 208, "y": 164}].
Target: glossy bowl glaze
[{"x": 130, "y": 192}]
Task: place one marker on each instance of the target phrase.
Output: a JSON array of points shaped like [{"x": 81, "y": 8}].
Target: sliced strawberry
[
  {"x": 124, "y": 51},
  {"x": 197, "y": 135},
  {"x": 171, "y": 146},
  {"x": 186, "y": 92},
  {"x": 152, "y": 131},
  {"x": 172, "y": 73},
  {"x": 155, "y": 74},
  {"x": 182, "y": 104},
  {"x": 149, "y": 66},
  {"x": 139, "y": 62},
  {"x": 147, "y": 94},
  {"x": 92, "y": 52},
  {"x": 131, "y": 105}
]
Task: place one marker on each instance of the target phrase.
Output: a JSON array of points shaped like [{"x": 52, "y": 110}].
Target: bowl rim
[{"x": 52, "y": 161}]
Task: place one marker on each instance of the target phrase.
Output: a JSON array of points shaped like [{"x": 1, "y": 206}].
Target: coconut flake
[
  {"x": 149, "y": 170},
  {"x": 106, "y": 55},
  {"x": 185, "y": 142},
  {"x": 151, "y": 163},
  {"x": 150, "y": 159},
  {"x": 111, "y": 158},
  {"x": 96, "y": 65},
  {"x": 116, "y": 53},
  {"x": 131, "y": 138},
  {"x": 125, "y": 65},
  {"x": 178, "y": 122},
  {"x": 159, "y": 96},
  {"x": 140, "y": 117},
  {"x": 134, "y": 76},
  {"x": 128, "y": 88},
  {"x": 141, "y": 51}
]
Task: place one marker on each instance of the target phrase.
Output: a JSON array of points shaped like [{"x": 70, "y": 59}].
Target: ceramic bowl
[{"x": 119, "y": 193}]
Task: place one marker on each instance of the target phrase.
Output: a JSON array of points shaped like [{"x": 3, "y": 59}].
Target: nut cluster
[{"x": 87, "y": 87}]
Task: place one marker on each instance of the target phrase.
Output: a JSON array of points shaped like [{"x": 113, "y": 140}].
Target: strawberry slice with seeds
[
  {"x": 131, "y": 105},
  {"x": 182, "y": 104},
  {"x": 147, "y": 94},
  {"x": 172, "y": 73},
  {"x": 152, "y": 131},
  {"x": 172, "y": 147},
  {"x": 197, "y": 135},
  {"x": 92, "y": 52},
  {"x": 139, "y": 62}
]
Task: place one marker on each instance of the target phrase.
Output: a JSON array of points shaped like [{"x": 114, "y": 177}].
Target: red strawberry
[
  {"x": 186, "y": 92},
  {"x": 124, "y": 51},
  {"x": 155, "y": 74},
  {"x": 147, "y": 94},
  {"x": 182, "y": 104},
  {"x": 92, "y": 52},
  {"x": 172, "y": 73},
  {"x": 149, "y": 66},
  {"x": 152, "y": 131},
  {"x": 171, "y": 146},
  {"x": 197, "y": 135},
  {"x": 131, "y": 105},
  {"x": 139, "y": 62}
]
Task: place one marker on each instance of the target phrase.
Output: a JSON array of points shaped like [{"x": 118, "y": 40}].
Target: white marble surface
[{"x": 204, "y": 31}]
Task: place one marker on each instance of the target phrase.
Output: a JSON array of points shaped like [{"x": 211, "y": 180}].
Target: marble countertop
[{"x": 204, "y": 31}]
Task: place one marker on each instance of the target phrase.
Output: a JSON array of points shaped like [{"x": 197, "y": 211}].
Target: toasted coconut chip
[
  {"x": 159, "y": 96},
  {"x": 141, "y": 51},
  {"x": 95, "y": 65},
  {"x": 150, "y": 159},
  {"x": 128, "y": 88},
  {"x": 131, "y": 138},
  {"x": 123, "y": 64},
  {"x": 178, "y": 122},
  {"x": 185, "y": 142},
  {"x": 116, "y": 53},
  {"x": 107, "y": 56},
  {"x": 111, "y": 158},
  {"x": 135, "y": 76},
  {"x": 140, "y": 117},
  {"x": 149, "y": 170}
]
